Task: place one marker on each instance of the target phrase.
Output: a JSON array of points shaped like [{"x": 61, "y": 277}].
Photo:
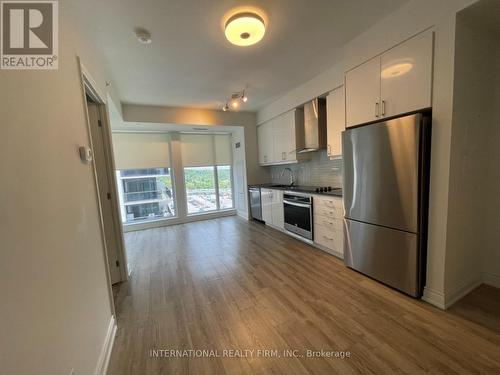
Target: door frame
[{"x": 90, "y": 88}]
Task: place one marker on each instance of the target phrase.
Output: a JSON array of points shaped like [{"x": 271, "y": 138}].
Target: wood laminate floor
[{"x": 229, "y": 284}]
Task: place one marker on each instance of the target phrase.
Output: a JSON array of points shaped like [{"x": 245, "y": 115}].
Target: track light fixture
[{"x": 237, "y": 98}]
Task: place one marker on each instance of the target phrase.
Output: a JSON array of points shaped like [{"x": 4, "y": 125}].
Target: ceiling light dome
[{"x": 245, "y": 29}]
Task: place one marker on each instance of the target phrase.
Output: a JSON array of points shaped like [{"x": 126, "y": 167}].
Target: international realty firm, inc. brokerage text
[{"x": 246, "y": 353}]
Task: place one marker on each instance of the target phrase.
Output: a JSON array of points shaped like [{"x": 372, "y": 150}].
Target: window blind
[
  {"x": 141, "y": 150},
  {"x": 205, "y": 150},
  {"x": 223, "y": 151}
]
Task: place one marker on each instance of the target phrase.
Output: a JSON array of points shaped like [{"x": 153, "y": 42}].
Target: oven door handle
[{"x": 305, "y": 205}]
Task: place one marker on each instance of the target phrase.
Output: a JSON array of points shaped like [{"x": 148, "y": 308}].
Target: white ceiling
[{"x": 190, "y": 63}]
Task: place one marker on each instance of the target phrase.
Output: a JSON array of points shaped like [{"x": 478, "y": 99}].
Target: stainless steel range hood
[{"x": 310, "y": 129}]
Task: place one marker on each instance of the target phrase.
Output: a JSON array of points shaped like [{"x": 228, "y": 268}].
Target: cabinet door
[
  {"x": 406, "y": 76},
  {"x": 284, "y": 138},
  {"x": 278, "y": 141},
  {"x": 261, "y": 143},
  {"x": 267, "y": 202},
  {"x": 362, "y": 90},
  {"x": 265, "y": 142},
  {"x": 277, "y": 209},
  {"x": 289, "y": 144},
  {"x": 335, "y": 112}
]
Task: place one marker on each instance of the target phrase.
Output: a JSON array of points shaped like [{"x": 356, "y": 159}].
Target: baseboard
[
  {"x": 275, "y": 227},
  {"x": 491, "y": 279},
  {"x": 243, "y": 215},
  {"x": 107, "y": 347},
  {"x": 434, "y": 298},
  {"x": 329, "y": 251},
  {"x": 462, "y": 291},
  {"x": 176, "y": 221}
]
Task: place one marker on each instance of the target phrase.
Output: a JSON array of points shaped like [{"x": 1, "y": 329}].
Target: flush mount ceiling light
[
  {"x": 245, "y": 29},
  {"x": 237, "y": 98}
]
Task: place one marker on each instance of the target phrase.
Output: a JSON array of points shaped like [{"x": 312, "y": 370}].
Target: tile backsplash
[{"x": 318, "y": 171}]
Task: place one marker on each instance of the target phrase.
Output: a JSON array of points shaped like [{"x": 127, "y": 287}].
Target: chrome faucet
[{"x": 292, "y": 182}]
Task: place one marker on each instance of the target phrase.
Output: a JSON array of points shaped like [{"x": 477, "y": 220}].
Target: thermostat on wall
[{"x": 85, "y": 154}]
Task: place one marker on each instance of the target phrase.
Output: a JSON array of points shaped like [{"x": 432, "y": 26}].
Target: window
[
  {"x": 200, "y": 189},
  {"x": 225, "y": 187},
  {"x": 207, "y": 172},
  {"x": 146, "y": 180},
  {"x": 145, "y": 194},
  {"x": 144, "y": 176}
]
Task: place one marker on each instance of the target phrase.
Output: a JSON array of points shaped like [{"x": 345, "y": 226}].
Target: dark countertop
[{"x": 336, "y": 192}]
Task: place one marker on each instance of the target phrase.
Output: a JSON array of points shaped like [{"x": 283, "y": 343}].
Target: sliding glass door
[
  {"x": 207, "y": 172},
  {"x": 225, "y": 184},
  {"x": 201, "y": 195}
]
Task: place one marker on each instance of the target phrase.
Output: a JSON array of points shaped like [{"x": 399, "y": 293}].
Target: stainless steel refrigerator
[{"x": 386, "y": 169}]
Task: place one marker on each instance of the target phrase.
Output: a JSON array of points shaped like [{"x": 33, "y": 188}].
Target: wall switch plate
[{"x": 85, "y": 154}]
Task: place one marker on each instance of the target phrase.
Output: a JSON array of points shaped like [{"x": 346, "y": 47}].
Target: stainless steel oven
[{"x": 298, "y": 214}]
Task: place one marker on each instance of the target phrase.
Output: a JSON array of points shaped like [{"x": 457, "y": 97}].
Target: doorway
[{"x": 102, "y": 154}]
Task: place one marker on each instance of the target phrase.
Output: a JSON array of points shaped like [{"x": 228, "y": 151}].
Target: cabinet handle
[
  {"x": 328, "y": 238},
  {"x": 383, "y": 107},
  {"x": 377, "y": 112},
  {"x": 329, "y": 150}
]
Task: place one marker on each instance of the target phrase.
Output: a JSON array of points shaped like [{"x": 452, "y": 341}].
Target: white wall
[
  {"x": 239, "y": 173},
  {"x": 408, "y": 20},
  {"x": 491, "y": 265},
  {"x": 470, "y": 168},
  {"x": 56, "y": 307},
  {"x": 195, "y": 116}
]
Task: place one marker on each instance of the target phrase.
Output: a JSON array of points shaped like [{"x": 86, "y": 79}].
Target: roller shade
[
  {"x": 197, "y": 150},
  {"x": 223, "y": 152},
  {"x": 141, "y": 150},
  {"x": 205, "y": 150}
]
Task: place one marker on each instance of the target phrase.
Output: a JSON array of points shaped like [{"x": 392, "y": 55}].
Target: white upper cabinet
[
  {"x": 362, "y": 90},
  {"x": 284, "y": 138},
  {"x": 265, "y": 142},
  {"x": 335, "y": 120},
  {"x": 406, "y": 76},
  {"x": 396, "y": 82},
  {"x": 276, "y": 140}
]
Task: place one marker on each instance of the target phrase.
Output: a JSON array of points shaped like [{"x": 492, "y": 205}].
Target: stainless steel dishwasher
[{"x": 255, "y": 202}]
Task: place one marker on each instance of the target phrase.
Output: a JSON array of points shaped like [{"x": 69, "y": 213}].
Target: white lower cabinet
[
  {"x": 328, "y": 232},
  {"x": 272, "y": 207},
  {"x": 266, "y": 197},
  {"x": 277, "y": 209}
]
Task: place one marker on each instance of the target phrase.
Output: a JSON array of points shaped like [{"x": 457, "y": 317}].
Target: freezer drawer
[{"x": 388, "y": 255}]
